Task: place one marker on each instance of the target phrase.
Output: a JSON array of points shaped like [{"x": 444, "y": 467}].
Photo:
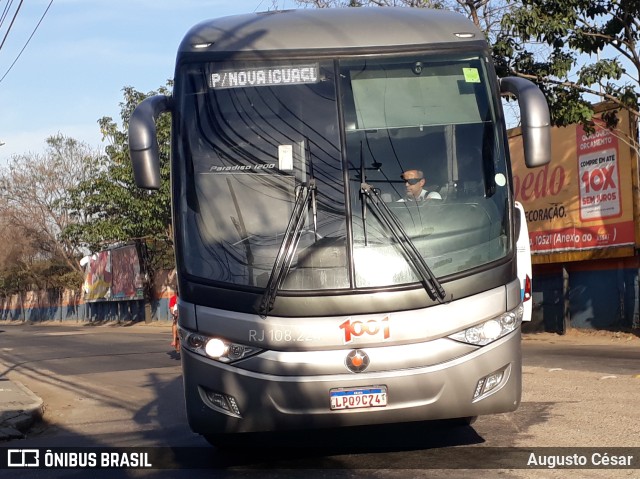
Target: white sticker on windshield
[{"x": 285, "y": 157}]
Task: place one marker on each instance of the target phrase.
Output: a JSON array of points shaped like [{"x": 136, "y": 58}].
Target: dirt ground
[{"x": 586, "y": 336}]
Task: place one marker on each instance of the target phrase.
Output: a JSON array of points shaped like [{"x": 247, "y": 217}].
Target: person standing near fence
[{"x": 173, "y": 310}]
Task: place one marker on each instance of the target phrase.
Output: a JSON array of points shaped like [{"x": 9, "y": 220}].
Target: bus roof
[{"x": 329, "y": 29}]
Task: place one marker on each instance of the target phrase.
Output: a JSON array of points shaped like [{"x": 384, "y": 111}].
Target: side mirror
[
  {"x": 143, "y": 141},
  {"x": 534, "y": 114}
]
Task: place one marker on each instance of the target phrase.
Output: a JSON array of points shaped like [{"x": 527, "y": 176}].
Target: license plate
[{"x": 354, "y": 398}]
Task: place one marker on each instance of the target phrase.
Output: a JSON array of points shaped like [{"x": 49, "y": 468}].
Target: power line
[
  {"x": 11, "y": 24},
  {"x": 5, "y": 12},
  {"x": 28, "y": 40}
]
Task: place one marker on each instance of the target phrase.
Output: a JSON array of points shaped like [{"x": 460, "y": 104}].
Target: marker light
[{"x": 526, "y": 294}]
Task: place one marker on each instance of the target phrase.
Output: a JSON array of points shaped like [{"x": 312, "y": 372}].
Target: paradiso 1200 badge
[{"x": 357, "y": 361}]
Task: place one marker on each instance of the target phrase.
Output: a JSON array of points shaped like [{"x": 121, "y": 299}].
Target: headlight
[
  {"x": 215, "y": 348},
  {"x": 489, "y": 331}
]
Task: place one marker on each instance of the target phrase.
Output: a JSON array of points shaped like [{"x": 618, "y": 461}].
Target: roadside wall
[
  {"x": 599, "y": 294},
  {"x": 69, "y": 305}
]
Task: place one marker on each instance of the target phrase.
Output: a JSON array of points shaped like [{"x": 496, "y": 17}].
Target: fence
[{"x": 69, "y": 305}]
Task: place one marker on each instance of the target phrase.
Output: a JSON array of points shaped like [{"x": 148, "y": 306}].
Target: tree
[
  {"x": 576, "y": 50},
  {"x": 372, "y": 3},
  {"x": 16, "y": 260},
  {"x": 33, "y": 189},
  {"x": 117, "y": 210},
  {"x": 486, "y": 14}
]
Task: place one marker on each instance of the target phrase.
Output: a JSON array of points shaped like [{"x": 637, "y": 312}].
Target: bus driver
[{"x": 414, "y": 182}]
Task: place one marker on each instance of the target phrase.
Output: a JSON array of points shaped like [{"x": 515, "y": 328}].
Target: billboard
[
  {"x": 113, "y": 275},
  {"x": 126, "y": 277},
  {"x": 582, "y": 200},
  {"x": 97, "y": 277}
]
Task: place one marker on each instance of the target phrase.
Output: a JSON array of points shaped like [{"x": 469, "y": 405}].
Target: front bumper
[{"x": 270, "y": 402}]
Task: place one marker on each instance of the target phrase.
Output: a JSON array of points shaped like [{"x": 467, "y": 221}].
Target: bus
[{"x": 314, "y": 291}]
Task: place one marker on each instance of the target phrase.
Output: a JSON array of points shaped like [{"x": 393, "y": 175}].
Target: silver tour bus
[{"x": 316, "y": 289}]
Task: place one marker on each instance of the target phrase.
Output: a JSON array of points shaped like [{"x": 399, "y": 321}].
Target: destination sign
[{"x": 271, "y": 76}]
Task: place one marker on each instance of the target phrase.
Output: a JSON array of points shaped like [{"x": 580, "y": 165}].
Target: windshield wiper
[
  {"x": 288, "y": 247},
  {"x": 363, "y": 203},
  {"x": 390, "y": 220}
]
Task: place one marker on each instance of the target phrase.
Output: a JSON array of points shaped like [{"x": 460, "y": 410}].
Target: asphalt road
[
  {"x": 604, "y": 353},
  {"x": 121, "y": 386}
]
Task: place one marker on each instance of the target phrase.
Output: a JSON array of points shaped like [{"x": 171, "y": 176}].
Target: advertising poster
[
  {"x": 599, "y": 174},
  {"x": 113, "y": 275},
  {"x": 583, "y": 199},
  {"x": 97, "y": 280},
  {"x": 126, "y": 278}
]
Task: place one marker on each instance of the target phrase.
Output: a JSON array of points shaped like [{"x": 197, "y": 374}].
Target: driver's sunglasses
[{"x": 412, "y": 181}]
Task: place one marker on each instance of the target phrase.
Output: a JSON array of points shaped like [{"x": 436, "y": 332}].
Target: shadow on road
[{"x": 367, "y": 447}]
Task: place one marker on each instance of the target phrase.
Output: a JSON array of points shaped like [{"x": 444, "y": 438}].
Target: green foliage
[
  {"x": 559, "y": 45},
  {"x": 117, "y": 210},
  {"x": 579, "y": 52},
  {"x": 14, "y": 279},
  {"x": 71, "y": 201},
  {"x": 39, "y": 275},
  {"x": 575, "y": 50}
]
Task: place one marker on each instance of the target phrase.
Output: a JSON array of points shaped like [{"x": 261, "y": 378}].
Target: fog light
[
  {"x": 492, "y": 381},
  {"x": 222, "y": 402},
  {"x": 218, "y": 400},
  {"x": 488, "y": 384}
]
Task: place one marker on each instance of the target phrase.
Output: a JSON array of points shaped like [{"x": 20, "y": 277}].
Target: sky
[{"x": 81, "y": 56}]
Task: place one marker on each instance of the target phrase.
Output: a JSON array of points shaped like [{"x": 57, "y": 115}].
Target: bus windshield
[{"x": 256, "y": 135}]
